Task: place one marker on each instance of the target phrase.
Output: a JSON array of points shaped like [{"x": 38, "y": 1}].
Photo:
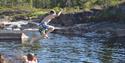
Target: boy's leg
[
  {"x": 50, "y": 29},
  {"x": 43, "y": 34}
]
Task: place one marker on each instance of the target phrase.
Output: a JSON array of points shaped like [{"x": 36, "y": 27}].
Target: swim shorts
[{"x": 42, "y": 27}]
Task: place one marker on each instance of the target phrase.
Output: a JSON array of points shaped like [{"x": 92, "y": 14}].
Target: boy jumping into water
[{"x": 44, "y": 28}]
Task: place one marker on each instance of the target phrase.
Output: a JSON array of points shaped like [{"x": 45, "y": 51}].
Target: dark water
[{"x": 67, "y": 49}]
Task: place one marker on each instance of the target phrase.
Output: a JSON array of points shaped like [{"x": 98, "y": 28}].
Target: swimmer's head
[
  {"x": 52, "y": 12},
  {"x": 30, "y": 56}
]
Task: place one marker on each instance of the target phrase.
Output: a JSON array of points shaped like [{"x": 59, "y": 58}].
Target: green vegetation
[
  {"x": 47, "y": 4},
  {"x": 40, "y": 7}
]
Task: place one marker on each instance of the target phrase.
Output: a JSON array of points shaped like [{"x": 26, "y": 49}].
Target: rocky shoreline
[
  {"x": 79, "y": 24},
  {"x": 104, "y": 29}
]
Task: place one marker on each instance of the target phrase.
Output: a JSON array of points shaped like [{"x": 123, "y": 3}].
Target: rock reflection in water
[{"x": 113, "y": 51}]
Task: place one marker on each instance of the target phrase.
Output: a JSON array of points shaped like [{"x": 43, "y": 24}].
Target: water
[{"x": 67, "y": 49}]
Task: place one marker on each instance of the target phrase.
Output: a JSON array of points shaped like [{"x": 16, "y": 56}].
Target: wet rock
[
  {"x": 102, "y": 29},
  {"x": 11, "y": 15},
  {"x": 20, "y": 18},
  {"x": 13, "y": 12},
  {"x": 2, "y": 26},
  {"x": 79, "y": 29}
]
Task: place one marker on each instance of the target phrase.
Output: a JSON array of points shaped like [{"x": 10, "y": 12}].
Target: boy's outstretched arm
[{"x": 60, "y": 12}]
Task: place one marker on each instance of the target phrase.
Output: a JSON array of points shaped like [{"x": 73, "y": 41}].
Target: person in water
[
  {"x": 30, "y": 58},
  {"x": 2, "y": 59},
  {"x": 44, "y": 28}
]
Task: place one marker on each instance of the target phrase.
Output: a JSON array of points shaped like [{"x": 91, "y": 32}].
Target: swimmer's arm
[{"x": 35, "y": 59}]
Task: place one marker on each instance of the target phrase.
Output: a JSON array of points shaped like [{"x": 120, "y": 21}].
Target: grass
[{"x": 35, "y": 12}]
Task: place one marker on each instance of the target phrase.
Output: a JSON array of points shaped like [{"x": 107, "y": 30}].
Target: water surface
[{"x": 68, "y": 49}]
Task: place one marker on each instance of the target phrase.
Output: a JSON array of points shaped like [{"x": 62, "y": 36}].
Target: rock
[
  {"x": 13, "y": 12},
  {"x": 2, "y": 26},
  {"x": 102, "y": 29},
  {"x": 79, "y": 29}
]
